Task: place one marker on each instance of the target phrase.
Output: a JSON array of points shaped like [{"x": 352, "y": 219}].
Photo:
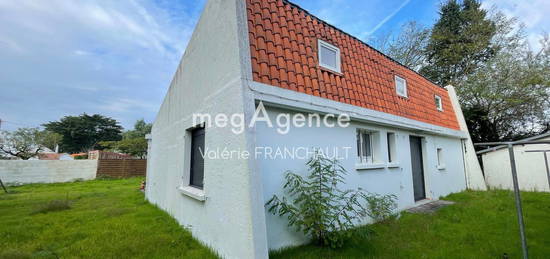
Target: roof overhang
[{"x": 279, "y": 97}]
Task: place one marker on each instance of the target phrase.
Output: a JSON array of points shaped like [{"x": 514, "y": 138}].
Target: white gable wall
[
  {"x": 397, "y": 181},
  {"x": 210, "y": 80},
  {"x": 474, "y": 174}
]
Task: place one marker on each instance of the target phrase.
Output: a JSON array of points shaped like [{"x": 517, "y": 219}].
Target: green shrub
[{"x": 318, "y": 208}]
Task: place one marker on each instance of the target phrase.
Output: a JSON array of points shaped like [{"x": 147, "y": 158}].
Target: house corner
[{"x": 472, "y": 168}]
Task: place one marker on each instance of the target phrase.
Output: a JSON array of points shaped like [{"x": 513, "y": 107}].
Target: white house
[
  {"x": 406, "y": 135},
  {"x": 531, "y": 166}
]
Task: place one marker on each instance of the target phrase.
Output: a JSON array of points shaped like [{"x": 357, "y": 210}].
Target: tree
[
  {"x": 132, "y": 146},
  {"x": 83, "y": 133},
  {"x": 408, "y": 47},
  {"x": 24, "y": 143},
  {"x": 133, "y": 142},
  {"x": 321, "y": 210},
  {"x": 508, "y": 97},
  {"x": 460, "y": 42},
  {"x": 50, "y": 139},
  {"x": 141, "y": 128}
]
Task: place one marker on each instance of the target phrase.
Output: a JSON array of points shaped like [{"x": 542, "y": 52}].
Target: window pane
[
  {"x": 367, "y": 145},
  {"x": 439, "y": 158},
  {"x": 197, "y": 159},
  {"x": 328, "y": 57},
  {"x": 400, "y": 86},
  {"x": 389, "y": 147},
  {"x": 358, "y": 144},
  {"x": 438, "y": 103}
]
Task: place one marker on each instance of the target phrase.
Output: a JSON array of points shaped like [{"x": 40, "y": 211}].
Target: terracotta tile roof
[
  {"x": 49, "y": 156},
  {"x": 283, "y": 43}
]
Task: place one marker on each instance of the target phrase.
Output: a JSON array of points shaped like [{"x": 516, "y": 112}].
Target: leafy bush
[
  {"x": 323, "y": 212},
  {"x": 81, "y": 157}
]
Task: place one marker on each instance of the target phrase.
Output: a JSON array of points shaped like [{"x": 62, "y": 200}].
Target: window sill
[
  {"x": 394, "y": 165},
  {"x": 330, "y": 70},
  {"x": 370, "y": 166},
  {"x": 441, "y": 167},
  {"x": 192, "y": 192}
]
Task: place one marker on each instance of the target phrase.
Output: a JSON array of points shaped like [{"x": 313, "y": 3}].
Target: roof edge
[{"x": 537, "y": 137}]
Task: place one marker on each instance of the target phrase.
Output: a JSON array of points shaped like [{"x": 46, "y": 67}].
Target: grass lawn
[
  {"x": 106, "y": 219},
  {"x": 110, "y": 219},
  {"x": 480, "y": 225}
]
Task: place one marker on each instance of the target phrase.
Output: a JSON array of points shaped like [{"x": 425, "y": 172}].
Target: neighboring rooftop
[{"x": 283, "y": 42}]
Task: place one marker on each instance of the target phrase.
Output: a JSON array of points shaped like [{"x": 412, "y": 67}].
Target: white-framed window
[
  {"x": 401, "y": 86},
  {"x": 364, "y": 147},
  {"x": 392, "y": 146},
  {"x": 368, "y": 147},
  {"x": 329, "y": 56},
  {"x": 438, "y": 103}
]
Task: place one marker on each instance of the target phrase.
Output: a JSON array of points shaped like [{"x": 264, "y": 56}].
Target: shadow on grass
[
  {"x": 51, "y": 206},
  {"x": 14, "y": 254}
]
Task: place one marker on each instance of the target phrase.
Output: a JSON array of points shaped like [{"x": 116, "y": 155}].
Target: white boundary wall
[
  {"x": 530, "y": 167},
  {"x": 15, "y": 172}
]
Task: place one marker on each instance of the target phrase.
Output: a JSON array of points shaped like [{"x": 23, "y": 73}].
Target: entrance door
[{"x": 417, "y": 168}]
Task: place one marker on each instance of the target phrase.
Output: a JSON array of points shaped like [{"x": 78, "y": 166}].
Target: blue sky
[{"x": 117, "y": 58}]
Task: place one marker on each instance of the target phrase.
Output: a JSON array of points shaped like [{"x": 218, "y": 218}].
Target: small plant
[{"x": 323, "y": 212}]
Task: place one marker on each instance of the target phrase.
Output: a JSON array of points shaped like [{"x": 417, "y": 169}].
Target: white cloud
[
  {"x": 387, "y": 18},
  {"x": 126, "y": 104},
  {"x": 532, "y": 13},
  {"x": 66, "y": 57}
]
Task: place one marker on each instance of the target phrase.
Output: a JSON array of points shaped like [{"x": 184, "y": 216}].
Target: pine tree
[{"x": 459, "y": 43}]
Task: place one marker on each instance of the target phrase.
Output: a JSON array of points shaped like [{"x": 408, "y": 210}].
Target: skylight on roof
[
  {"x": 329, "y": 56},
  {"x": 401, "y": 86}
]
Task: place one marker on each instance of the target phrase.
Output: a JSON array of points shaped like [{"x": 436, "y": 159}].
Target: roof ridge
[{"x": 363, "y": 42}]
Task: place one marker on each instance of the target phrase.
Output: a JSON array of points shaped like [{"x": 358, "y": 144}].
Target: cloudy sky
[{"x": 116, "y": 58}]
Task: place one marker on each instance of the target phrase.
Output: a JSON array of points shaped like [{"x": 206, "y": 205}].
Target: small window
[
  {"x": 438, "y": 103},
  {"x": 368, "y": 147},
  {"x": 392, "y": 156},
  {"x": 197, "y": 158},
  {"x": 364, "y": 147},
  {"x": 329, "y": 56},
  {"x": 440, "y": 157},
  {"x": 401, "y": 86}
]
